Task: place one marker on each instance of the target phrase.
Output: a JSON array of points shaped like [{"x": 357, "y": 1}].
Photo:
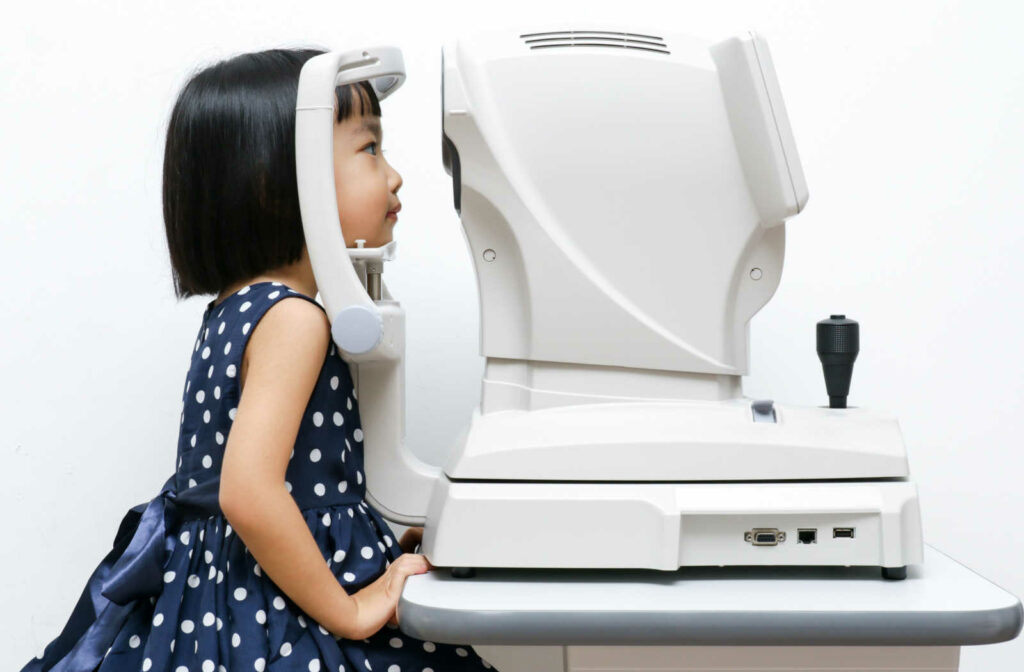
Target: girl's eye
[{"x": 374, "y": 145}]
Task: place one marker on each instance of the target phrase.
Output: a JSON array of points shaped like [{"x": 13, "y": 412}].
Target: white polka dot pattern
[{"x": 217, "y": 611}]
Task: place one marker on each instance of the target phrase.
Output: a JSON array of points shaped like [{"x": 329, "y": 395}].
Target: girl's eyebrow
[{"x": 371, "y": 125}]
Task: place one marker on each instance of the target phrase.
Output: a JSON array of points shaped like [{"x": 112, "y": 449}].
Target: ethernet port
[{"x": 809, "y": 536}]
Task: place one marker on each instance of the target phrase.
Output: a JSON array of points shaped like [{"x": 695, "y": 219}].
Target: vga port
[{"x": 764, "y": 536}]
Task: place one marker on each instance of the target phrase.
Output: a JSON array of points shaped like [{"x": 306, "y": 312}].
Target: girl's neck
[{"x": 298, "y": 276}]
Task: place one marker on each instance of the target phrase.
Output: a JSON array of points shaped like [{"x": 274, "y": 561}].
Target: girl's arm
[{"x": 284, "y": 356}]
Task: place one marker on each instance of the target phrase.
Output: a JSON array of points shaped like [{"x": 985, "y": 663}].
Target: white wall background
[{"x": 908, "y": 121}]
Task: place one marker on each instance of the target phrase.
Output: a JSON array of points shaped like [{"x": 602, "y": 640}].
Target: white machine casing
[{"x": 623, "y": 196}]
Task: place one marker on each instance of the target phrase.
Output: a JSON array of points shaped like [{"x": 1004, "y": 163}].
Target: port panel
[{"x": 726, "y": 539}]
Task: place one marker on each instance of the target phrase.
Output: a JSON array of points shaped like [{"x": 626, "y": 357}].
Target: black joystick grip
[{"x": 838, "y": 345}]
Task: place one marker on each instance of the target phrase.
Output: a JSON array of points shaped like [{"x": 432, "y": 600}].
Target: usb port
[{"x": 842, "y": 532}]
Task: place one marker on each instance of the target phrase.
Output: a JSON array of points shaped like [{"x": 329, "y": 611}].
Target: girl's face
[{"x": 366, "y": 185}]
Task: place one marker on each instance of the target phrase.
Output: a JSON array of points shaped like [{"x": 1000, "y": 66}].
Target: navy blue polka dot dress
[{"x": 180, "y": 592}]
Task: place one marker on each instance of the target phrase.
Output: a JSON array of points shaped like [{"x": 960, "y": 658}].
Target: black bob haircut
[{"x": 230, "y": 195}]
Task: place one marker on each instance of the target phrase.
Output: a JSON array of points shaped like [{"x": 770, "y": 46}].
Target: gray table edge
[{"x": 712, "y": 628}]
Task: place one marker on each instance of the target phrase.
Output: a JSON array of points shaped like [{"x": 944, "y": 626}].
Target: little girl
[{"x": 260, "y": 552}]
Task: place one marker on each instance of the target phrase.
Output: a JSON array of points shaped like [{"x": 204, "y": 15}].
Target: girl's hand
[
  {"x": 410, "y": 538},
  {"x": 377, "y": 603}
]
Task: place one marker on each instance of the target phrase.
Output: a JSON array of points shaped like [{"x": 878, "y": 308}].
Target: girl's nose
[{"x": 396, "y": 179}]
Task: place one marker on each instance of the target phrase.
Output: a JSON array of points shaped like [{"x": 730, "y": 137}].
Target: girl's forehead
[
  {"x": 357, "y": 126},
  {"x": 371, "y": 124}
]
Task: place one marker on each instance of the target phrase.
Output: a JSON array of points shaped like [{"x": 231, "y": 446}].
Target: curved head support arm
[{"x": 361, "y": 329}]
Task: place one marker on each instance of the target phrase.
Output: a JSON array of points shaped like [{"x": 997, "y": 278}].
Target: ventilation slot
[{"x": 595, "y": 38}]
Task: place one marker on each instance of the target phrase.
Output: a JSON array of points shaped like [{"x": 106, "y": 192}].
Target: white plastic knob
[{"x": 357, "y": 329}]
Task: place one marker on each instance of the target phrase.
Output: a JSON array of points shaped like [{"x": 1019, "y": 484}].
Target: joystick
[{"x": 838, "y": 345}]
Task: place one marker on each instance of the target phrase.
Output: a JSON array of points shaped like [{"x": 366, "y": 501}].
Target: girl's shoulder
[
  {"x": 294, "y": 326},
  {"x": 278, "y": 325}
]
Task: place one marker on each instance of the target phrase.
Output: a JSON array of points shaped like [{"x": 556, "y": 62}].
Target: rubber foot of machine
[
  {"x": 895, "y": 573},
  {"x": 463, "y": 572}
]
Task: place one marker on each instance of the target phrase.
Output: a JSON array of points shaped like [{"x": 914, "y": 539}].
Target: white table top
[{"x": 941, "y": 602}]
